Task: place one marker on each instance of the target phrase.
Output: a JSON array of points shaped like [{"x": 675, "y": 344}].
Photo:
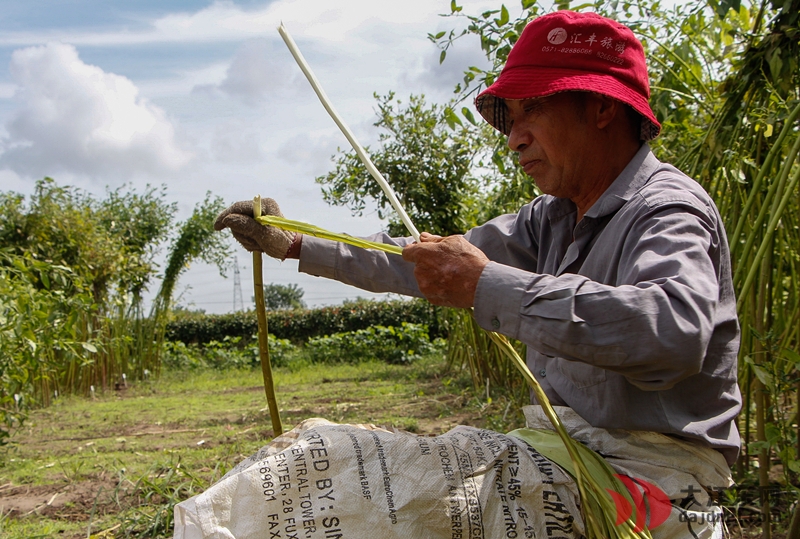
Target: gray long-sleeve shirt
[{"x": 629, "y": 315}]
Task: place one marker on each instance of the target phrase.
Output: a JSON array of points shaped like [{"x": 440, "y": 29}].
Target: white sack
[{"x": 323, "y": 480}]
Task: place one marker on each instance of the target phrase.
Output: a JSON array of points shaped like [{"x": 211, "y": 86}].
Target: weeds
[
  {"x": 133, "y": 486},
  {"x": 158, "y": 491}
]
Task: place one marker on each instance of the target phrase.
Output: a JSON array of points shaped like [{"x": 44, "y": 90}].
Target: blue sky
[{"x": 201, "y": 95}]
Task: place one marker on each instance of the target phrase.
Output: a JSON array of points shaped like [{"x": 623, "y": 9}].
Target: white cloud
[
  {"x": 256, "y": 71},
  {"x": 236, "y": 142},
  {"x": 7, "y": 90},
  {"x": 311, "y": 152},
  {"x": 10, "y": 181},
  {"x": 464, "y": 53},
  {"x": 77, "y": 118},
  {"x": 225, "y": 21}
]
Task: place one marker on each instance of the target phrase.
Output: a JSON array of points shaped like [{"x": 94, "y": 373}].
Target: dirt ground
[{"x": 87, "y": 465}]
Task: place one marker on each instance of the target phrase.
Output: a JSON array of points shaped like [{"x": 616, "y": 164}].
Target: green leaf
[
  {"x": 45, "y": 279},
  {"x": 89, "y": 347},
  {"x": 526, "y": 4},
  {"x": 442, "y": 56},
  {"x": 775, "y": 64},
  {"x": 451, "y": 118},
  {"x": 724, "y": 6},
  {"x": 763, "y": 376},
  {"x": 454, "y": 7},
  {"x": 497, "y": 159},
  {"x": 791, "y": 356},
  {"x": 440, "y": 35},
  {"x": 503, "y": 20},
  {"x": 772, "y": 433},
  {"x": 755, "y": 447},
  {"x": 468, "y": 115}
]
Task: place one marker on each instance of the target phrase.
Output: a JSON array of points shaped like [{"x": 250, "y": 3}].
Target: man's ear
[{"x": 605, "y": 109}]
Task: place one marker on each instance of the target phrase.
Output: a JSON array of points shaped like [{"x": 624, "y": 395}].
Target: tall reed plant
[
  {"x": 747, "y": 159},
  {"x": 71, "y": 275}
]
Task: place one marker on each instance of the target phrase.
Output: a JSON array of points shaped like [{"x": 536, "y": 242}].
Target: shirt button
[
  {"x": 543, "y": 373},
  {"x": 495, "y": 323}
]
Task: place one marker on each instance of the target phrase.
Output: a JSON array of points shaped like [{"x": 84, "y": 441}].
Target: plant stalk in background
[{"x": 263, "y": 332}]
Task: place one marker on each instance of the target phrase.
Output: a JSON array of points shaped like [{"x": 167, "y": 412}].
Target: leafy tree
[
  {"x": 109, "y": 243},
  {"x": 139, "y": 222},
  {"x": 196, "y": 239},
  {"x": 430, "y": 165},
  {"x": 72, "y": 269},
  {"x": 279, "y": 296}
]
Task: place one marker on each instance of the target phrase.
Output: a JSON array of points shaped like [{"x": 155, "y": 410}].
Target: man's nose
[{"x": 518, "y": 138}]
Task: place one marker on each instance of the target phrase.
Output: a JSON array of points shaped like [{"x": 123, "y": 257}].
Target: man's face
[{"x": 550, "y": 137}]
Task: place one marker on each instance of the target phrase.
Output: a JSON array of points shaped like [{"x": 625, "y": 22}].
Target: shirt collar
[{"x": 627, "y": 184}]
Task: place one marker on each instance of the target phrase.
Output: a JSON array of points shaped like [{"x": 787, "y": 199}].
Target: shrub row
[
  {"x": 229, "y": 353},
  {"x": 396, "y": 345},
  {"x": 299, "y": 325}
]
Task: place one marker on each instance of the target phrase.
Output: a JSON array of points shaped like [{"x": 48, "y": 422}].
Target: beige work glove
[{"x": 253, "y": 235}]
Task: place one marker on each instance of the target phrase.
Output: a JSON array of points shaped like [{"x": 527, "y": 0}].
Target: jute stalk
[
  {"x": 351, "y": 138},
  {"x": 263, "y": 332}
]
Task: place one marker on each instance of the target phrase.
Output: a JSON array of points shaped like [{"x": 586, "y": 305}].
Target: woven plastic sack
[{"x": 323, "y": 480}]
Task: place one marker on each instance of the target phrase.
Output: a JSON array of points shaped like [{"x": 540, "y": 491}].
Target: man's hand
[
  {"x": 447, "y": 269},
  {"x": 253, "y": 235}
]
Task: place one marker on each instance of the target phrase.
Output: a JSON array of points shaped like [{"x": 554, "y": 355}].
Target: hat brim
[{"x": 528, "y": 82}]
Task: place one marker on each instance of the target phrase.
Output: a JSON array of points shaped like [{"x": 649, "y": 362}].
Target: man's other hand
[
  {"x": 447, "y": 269},
  {"x": 253, "y": 235}
]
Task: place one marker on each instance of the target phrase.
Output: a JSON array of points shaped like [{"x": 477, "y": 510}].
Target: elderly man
[{"x": 617, "y": 278}]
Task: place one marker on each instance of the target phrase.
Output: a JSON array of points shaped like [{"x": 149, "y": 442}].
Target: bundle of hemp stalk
[{"x": 597, "y": 484}]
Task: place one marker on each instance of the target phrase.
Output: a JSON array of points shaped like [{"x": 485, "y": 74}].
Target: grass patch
[{"x": 120, "y": 461}]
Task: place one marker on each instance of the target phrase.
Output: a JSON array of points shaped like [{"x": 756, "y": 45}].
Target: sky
[{"x": 204, "y": 96}]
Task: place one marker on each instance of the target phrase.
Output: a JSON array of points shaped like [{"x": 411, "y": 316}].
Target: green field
[{"x": 117, "y": 463}]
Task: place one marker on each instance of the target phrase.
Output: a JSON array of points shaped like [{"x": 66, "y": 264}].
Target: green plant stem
[
  {"x": 317, "y": 232},
  {"x": 786, "y": 197},
  {"x": 755, "y": 190},
  {"x": 263, "y": 333},
  {"x": 590, "y": 490},
  {"x": 794, "y": 527},
  {"x": 351, "y": 138}
]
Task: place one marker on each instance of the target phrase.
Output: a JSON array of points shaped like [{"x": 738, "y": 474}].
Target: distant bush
[
  {"x": 395, "y": 345},
  {"x": 230, "y": 353},
  {"x": 300, "y": 325}
]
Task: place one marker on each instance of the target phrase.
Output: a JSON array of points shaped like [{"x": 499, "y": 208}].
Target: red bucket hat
[{"x": 568, "y": 51}]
